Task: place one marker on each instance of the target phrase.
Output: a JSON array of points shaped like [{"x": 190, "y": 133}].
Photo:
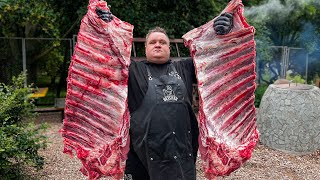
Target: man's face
[{"x": 157, "y": 48}]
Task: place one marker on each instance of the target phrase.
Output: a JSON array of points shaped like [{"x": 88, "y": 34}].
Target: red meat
[
  {"x": 96, "y": 120},
  {"x": 225, "y": 69}
]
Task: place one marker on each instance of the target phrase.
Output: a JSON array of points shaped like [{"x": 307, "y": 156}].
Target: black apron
[{"x": 160, "y": 131}]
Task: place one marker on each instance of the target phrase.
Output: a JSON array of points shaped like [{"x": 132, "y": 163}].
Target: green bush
[
  {"x": 259, "y": 93},
  {"x": 295, "y": 78},
  {"x": 20, "y": 139}
]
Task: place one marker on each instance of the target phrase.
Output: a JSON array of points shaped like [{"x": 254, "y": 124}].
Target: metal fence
[
  {"x": 178, "y": 51},
  {"x": 39, "y": 57},
  {"x": 284, "y": 63}
]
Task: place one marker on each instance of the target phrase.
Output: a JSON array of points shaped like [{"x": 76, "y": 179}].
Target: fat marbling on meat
[
  {"x": 225, "y": 70},
  {"x": 96, "y": 123}
]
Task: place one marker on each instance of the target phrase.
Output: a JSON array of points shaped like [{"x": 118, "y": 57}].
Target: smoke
[
  {"x": 271, "y": 7},
  {"x": 262, "y": 12},
  {"x": 309, "y": 39},
  {"x": 281, "y": 11}
]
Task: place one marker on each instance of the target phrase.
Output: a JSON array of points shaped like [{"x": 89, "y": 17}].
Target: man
[{"x": 163, "y": 126}]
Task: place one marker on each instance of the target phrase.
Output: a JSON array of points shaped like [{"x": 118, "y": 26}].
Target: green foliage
[
  {"x": 28, "y": 18},
  {"x": 295, "y": 78},
  {"x": 51, "y": 63},
  {"x": 291, "y": 23},
  {"x": 286, "y": 21},
  {"x": 20, "y": 141},
  {"x": 263, "y": 41},
  {"x": 71, "y": 13},
  {"x": 261, "y": 89},
  {"x": 177, "y": 17},
  {"x": 252, "y": 2}
]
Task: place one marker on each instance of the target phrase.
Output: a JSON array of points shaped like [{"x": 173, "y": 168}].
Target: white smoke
[
  {"x": 262, "y": 12},
  {"x": 283, "y": 10},
  {"x": 309, "y": 38}
]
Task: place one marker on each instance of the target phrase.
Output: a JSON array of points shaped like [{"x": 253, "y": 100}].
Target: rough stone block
[{"x": 289, "y": 118}]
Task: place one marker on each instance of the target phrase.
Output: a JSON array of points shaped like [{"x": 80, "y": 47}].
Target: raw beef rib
[
  {"x": 96, "y": 120},
  {"x": 225, "y": 69}
]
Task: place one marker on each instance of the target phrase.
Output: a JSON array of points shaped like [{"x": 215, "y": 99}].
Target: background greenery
[
  {"x": 20, "y": 139},
  {"x": 292, "y": 23}
]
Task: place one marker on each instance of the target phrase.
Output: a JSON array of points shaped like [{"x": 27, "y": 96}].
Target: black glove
[
  {"x": 223, "y": 24},
  {"x": 104, "y": 15}
]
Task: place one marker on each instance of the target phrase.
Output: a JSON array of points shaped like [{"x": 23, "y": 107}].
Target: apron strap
[
  {"x": 174, "y": 71},
  {"x": 149, "y": 73},
  {"x": 173, "y": 68}
]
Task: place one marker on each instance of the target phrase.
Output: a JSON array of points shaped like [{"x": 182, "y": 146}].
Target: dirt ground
[{"x": 265, "y": 163}]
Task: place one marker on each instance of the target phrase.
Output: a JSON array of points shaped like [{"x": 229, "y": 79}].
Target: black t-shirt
[{"x": 138, "y": 78}]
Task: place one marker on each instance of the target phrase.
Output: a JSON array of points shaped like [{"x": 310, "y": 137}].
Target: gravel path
[{"x": 265, "y": 163}]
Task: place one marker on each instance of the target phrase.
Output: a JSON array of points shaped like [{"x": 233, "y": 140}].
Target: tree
[
  {"x": 27, "y": 18},
  {"x": 177, "y": 17},
  {"x": 30, "y": 18},
  {"x": 284, "y": 23}
]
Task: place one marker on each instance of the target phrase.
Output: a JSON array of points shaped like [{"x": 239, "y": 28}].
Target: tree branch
[{"x": 52, "y": 47}]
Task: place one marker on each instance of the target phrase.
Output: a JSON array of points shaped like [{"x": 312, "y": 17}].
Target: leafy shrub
[
  {"x": 20, "y": 140},
  {"x": 259, "y": 93},
  {"x": 295, "y": 78}
]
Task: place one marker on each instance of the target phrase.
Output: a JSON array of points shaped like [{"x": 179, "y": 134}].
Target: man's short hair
[{"x": 156, "y": 29}]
